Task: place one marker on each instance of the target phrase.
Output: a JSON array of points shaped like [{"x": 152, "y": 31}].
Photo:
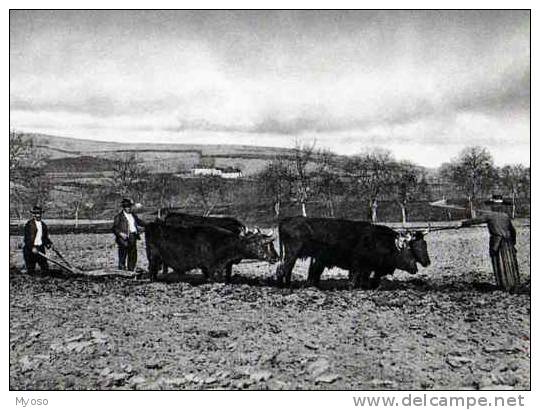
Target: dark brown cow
[
  {"x": 204, "y": 247},
  {"x": 361, "y": 248},
  {"x": 187, "y": 220},
  {"x": 231, "y": 224}
]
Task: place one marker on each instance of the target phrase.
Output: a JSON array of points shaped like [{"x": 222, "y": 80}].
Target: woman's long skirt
[{"x": 505, "y": 266}]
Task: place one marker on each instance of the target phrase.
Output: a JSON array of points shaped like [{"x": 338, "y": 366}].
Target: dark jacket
[
  {"x": 30, "y": 231},
  {"x": 499, "y": 226},
  {"x": 120, "y": 225}
]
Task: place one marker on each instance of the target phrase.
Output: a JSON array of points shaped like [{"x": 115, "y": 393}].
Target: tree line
[
  {"x": 304, "y": 177},
  {"x": 375, "y": 175}
]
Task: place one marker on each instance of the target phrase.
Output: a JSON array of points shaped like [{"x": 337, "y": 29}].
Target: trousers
[
  {"x": 128, "y": 251},
  {"x": 31, "y": 258}
]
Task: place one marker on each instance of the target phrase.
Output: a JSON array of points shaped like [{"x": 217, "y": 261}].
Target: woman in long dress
[{"x": 502, "y": 242}]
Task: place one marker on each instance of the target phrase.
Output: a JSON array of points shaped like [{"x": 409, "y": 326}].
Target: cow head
[
  {"x": 258, "y": 245},
  {"x": 412, "y": 248}
]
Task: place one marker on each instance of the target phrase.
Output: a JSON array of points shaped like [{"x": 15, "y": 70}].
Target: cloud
[
  {"x": 438, "y": 78},
  {"x": 259, "y": 109}
]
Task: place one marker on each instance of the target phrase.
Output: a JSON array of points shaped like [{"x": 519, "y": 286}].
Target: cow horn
[
  {"x": 271, "y": 236},
  {"x": 160, "y": 216},
  {"x": 406, "y": 236},
  {"x": 400, "y": 242}
]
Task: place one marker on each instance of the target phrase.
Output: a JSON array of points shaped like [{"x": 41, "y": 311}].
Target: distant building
[
  {"x": 227, "y": 173},
  {"x": 205, "y": 171},
  {"x": 231, "y": 173}
]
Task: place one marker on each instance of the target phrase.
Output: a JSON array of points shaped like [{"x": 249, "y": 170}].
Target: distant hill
[
  {"x": 77, "y": 168},
  {"x": 92, "y": 155}
]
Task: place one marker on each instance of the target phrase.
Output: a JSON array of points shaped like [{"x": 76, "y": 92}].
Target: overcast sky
[{"x": 423, "y": 84}]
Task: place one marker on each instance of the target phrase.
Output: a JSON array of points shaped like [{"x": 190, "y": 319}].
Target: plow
[
  {"x": 441, "y": 203},
  {"x": 68, "y": 267}
]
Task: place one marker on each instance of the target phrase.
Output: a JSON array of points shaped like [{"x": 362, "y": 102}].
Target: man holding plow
[{"x": 36, "y": 239}]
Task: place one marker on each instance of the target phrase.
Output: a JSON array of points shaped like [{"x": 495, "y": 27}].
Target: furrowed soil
[{"x": 444, "y": 328}]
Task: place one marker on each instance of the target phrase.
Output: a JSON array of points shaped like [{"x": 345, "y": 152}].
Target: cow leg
[
  {"x": 359, "y": 278},
  {"x": 284, "y": 271},
  {"x": 208, "y": 273},
  {"x": 153, "y": 266},
  {"x": 374, "y": 280},
  {"x": 316, "y": 269},
  {"x": 228, "y": 272},
  {"x": 354, "y": 279},
  {"x": 311, "y": 274}
]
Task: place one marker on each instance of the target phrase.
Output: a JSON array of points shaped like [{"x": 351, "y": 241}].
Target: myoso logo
[{"x": 21, "y": 401}]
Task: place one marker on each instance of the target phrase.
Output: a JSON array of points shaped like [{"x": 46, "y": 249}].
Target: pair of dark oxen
[{"x": 214, "y": 244}]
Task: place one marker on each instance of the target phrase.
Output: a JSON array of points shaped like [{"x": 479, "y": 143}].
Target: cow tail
[
  {"x": 281, "y": 248},
  {"x": 281, "y": 253}
]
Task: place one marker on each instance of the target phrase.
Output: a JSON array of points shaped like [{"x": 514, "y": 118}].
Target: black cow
[
  {"x": 361, "y": 248},
  {"x": 231, "y": 224},
  {"x": 206, "y": 247},
  {"x": 187, "y": 220}
]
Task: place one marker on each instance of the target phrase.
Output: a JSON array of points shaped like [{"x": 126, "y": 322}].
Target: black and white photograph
[{"x": 276, "y": 200}]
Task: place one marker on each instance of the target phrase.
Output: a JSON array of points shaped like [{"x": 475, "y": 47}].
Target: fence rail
[
  {"x": 59, "y": 227},
  {"x": 65, "y": 228}
]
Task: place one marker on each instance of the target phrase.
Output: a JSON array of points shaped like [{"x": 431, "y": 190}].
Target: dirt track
[{"x": 445, "y": 328}]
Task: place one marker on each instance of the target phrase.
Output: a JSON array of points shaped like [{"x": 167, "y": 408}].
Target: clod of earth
[{"x": 327, "y": 378}]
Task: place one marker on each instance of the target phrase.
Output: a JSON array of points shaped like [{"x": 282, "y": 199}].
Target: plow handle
[
  {"x": 62, "y": 257},
  {"x": 69, "y": 269},
  {"x": 445, "y": 228}
]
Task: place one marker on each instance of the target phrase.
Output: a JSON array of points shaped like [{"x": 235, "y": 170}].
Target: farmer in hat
[
  {"x": 127, "y": 228},
  {"x": 502, "y": 242},
  {"x": 36, "y": 239}
]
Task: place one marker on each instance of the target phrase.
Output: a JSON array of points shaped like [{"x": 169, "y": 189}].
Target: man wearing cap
[
  {"x": 126, "y": 228},
  {"x": 502, "y": 241},
  {"x": 36, "y": 239}
]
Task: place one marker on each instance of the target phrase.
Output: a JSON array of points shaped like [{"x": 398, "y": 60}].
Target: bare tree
[
  {"x": 28, "y": 184},
  {"x": 303, "y": 154},
  {"x": 21, "y": 151},
  {"x": 329, "y": 183},
  {"x": 371, "y": 171},
  {"x": 275, "y": 179},
  {"x": 209, "y": 192},
  {"x": 473, "y": 172},
  {"x": 78, "y": 201},
  {"x": 408, "y": 182},
  {"x": 516, "y": 179},
  {"x": 129, "y": 177},
  {"x": 164, "y": 189},
  {"x": 83, "y": 198},
  {"x": 37, "y": 188}
]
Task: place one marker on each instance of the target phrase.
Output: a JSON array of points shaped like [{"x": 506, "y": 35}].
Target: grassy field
[{"x": 444, "y": 328}]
